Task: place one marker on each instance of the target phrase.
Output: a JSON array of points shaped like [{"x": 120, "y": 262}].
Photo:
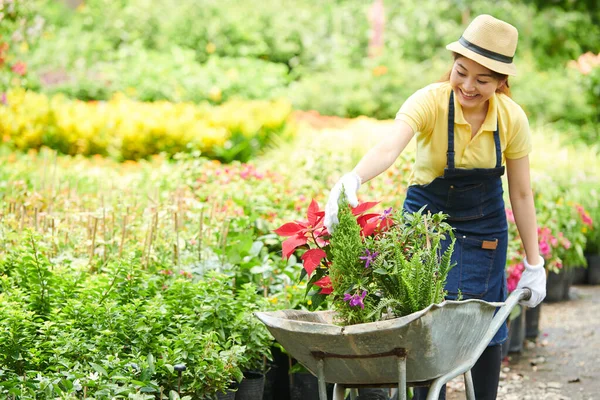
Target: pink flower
[
  {"x": 186, "y": 274},
  {"x": 585, "y": 217},
  {"x": 544, "y": 248},
  {"x": 514, "y": 275},
  {"x": 20, "y": 68},
  {"x": 511, "y": 217}
]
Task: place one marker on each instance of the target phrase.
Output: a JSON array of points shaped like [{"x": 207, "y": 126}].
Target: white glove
[
  {"x": 350, "y": 182},
  {"x": 534, "y": 278}
]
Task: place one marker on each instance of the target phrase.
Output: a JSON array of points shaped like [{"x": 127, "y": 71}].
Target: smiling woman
[{"x": 468, "y": 132}]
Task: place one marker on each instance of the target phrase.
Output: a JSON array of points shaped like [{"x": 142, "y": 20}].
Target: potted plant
[{"x": 251, "y": 334}]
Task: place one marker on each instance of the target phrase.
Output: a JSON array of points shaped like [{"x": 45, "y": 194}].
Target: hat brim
[{"x": 496, "y": 66}]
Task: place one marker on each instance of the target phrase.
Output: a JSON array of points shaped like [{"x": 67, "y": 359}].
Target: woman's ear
[{"x": 501, "y": 83}]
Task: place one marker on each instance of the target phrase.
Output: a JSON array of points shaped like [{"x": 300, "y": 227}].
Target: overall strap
[
  {"x": 498, "y": 148},
  {"x": 450, "y": 152}
]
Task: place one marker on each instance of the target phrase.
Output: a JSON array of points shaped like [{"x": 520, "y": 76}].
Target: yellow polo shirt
[{"x": 426, "y": 111}]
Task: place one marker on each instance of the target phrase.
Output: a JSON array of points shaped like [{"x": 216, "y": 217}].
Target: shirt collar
[{"x": 491, "y": 119}]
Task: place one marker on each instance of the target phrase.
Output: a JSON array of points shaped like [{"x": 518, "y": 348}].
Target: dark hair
[{"x": 505, "y": 89}]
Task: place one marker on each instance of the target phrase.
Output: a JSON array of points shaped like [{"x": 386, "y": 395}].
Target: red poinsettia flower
[
  {"x": 312, "y": 231},
  {"x": 300, "y": 232},
  {"x": 325, "y": 285}
]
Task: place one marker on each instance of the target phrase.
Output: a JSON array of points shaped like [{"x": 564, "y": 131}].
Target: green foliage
[
  {"x": 121, "y": 330},
  {"x": 411, "y": 264},
  {"x": 152, "y": 51}
]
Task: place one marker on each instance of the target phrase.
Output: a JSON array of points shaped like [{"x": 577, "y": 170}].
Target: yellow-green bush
[{"x": 131, "y": 130}]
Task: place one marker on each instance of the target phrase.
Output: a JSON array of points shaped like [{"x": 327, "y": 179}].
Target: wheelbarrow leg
[
  {"x": 434, "y": 390},
  {"x": 469, "y": 388},
  {"x": 353, "y": 394},
  {"x": 322, "y": 384},
  {"x": 401, "y": 378},
  {"x": 339, "y": 392}
]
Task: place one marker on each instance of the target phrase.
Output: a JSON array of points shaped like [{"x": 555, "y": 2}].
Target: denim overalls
[{"x": 473, "y": 200}]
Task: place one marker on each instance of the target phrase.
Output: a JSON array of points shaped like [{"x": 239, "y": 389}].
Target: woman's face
[{"x": 473, "y": 84}]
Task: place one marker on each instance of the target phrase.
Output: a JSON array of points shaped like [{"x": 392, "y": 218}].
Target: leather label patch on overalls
[{"x": 489, "y": 244}]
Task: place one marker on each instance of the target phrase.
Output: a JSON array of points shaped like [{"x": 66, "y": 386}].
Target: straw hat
[{"x": 489, "y": 42}]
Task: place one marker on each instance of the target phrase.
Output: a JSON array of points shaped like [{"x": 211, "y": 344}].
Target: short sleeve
[
  {"x": 519, "y": 139},
  {"x": 418, "y": 111}
]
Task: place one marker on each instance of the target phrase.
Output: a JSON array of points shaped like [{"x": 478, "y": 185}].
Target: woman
[{"x": 468, "y": 130}]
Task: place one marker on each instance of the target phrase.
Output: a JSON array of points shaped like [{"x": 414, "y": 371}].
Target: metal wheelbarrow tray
[{"x": 426, "y": 348}]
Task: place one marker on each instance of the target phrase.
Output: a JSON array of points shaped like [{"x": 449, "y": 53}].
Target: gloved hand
[
  {"x": 534, "y": 278},
  {"x": 350, "y": 183}
]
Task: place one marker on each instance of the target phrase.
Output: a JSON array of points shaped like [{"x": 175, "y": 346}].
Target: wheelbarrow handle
[
  {"x": 501, "y": 315},
  {"x": 504, "y": 312}
]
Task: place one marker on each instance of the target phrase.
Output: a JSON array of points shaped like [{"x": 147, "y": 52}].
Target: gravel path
[{"x": 564, "y": 362}]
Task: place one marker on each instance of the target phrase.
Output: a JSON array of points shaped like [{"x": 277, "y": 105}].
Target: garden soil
[{"x": 564, "y": 362}]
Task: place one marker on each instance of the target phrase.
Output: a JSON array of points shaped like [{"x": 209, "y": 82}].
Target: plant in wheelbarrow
[{"x": 374, "y": 266}]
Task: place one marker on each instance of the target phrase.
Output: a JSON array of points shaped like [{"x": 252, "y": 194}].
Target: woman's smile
[{"x": 468, "y": 96}]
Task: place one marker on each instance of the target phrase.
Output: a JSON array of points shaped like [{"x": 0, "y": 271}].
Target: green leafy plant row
[{"x": 119, "y": 331}]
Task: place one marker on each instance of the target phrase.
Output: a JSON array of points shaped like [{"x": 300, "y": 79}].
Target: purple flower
[
  {"x": 356, "y": 299},
  {"x": 3, "y": 99},
  {"x": 369, "y": 257},
  {"x": 386, "y": 213}
]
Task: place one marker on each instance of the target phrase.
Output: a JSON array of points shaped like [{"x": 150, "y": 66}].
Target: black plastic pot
[
  {"x": 305, "y": 386},
  {"x": 277, "y": 382},
  {"x": 593, "y": 269},
  {"x": 230, "y": 395},
  {"x": 555, "y": 286},
  {"x": 568, "y": 281},
  {"x": 251, "y": 387},
  {"x": 532, "y": 322},
  {"x": 579, "y": 275},
  {"x": 516, "y": 331}
]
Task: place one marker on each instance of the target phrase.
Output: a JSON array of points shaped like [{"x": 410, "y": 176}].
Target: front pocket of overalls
[
  {"x": 475, "y": 264},
  {"x": 465, "y": 203}
]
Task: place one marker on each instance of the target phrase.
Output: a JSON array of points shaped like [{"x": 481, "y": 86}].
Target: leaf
[
  {"x": 312, "y": 259},
  {"x": 289, "y": 229},
  {"x": 99, "y": 369},
  {"x": 317, "y": 299},
  {"x": 151, "y": 363},
  {"x": 290, "y": 244},
  {"x": 312, "y": 214},
  {"x": 364, "y": 219},
  {"x": 256, "y": 248},
  {"x": 386, "y": 224},
  {"x": 369, "y": 228},
  {"x": 361, "y": 208}
]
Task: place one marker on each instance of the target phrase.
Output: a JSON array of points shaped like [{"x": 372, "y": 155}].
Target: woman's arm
[
  {"x": 381, "y": 156},
  {"x": 521, "y": 200}
]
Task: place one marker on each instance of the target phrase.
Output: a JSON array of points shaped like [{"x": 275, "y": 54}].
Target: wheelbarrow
[{"x": 426, "y": 348}]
